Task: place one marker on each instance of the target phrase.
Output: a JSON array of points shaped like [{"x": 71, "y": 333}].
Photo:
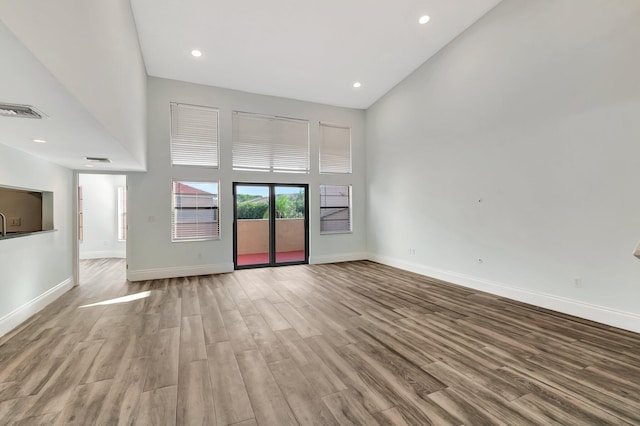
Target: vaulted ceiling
[
  {"x": 81, "y": 63},
  {"x": 309, "y": 50}
]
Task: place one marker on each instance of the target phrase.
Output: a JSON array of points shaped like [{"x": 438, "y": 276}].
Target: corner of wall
[
  {"x": 601, "y": 314},
  {"x": 16, "y": 317}
]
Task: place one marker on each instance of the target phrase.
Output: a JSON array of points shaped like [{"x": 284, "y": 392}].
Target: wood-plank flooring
[{"x": 352, "y": 343}]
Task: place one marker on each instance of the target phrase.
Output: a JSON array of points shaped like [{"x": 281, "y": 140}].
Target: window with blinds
[
  {"x": 335, "y": 148},
  {"x": 271, "y": 144},
  {"x": 194, "y": 135},
  {"x": 122, "y": 213},
  {"x": 335, "y": 209},
  {"x": 194, "y": 213},
  {"x": 80, "y": 215}
]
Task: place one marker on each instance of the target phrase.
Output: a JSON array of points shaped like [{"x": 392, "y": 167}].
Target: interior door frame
[{"x": 272, "y": 225}]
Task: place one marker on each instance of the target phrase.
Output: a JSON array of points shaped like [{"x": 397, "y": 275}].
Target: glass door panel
[
  {"x": 290, "y": 223},
  {"x": 253, "y": 227}
]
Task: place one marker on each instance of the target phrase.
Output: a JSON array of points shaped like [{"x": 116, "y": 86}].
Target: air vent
[
  {"x": 97, "y": 159},
  {"x": 20, "y": 111}
]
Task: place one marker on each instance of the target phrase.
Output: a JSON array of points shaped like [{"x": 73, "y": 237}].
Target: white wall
[
  {"x": 92, "y": 48},
  {"x": 535, "y": 111},
  {"x": 100, "y": 212},
  {"x": 35, "y": 269},
  {"x": 151, "y": 252}
]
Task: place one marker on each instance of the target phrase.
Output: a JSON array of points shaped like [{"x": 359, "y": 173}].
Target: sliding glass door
[{"x": 270, "y": 226}]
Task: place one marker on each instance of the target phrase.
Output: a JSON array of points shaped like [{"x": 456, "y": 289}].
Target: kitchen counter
[{"x": 16, "y": 234}]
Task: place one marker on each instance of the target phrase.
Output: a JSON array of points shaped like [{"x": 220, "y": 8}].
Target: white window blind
[
  {"x": 335, "y": 148},
  {"x": 266, "y": 143},
  {"x": 194, "y": 213},
  {"x": 335, "y": 209},
  {"x": 194, "y": 135}
]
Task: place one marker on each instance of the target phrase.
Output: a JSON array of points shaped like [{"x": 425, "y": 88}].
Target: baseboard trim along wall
[
  {"x": 336, "y": 258},
  {"x": 22, "y": 313},
  {"x": 118, "y": 254},
  {"x": 178, "y": 271},
  {"x": 625, "y": 320}
]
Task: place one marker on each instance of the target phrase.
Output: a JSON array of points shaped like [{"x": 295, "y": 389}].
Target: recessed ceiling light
[
  {"x": 424, "y": 19},
  {"x": 357, "y": 84},
  {"x": 39, "y": 141},
  {"x": 196, "y": 53},
  {"x": 88, "y": 165}
]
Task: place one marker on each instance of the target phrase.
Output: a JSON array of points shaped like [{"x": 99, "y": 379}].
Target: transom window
[
  {"x": 270, "y": 144},
  {"x": 335, "y": 148},
  {"x": 194, "y": 135}
]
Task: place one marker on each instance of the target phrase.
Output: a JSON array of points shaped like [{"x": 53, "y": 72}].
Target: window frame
[
  {"x": 173, "y": 210},
  {"x": 80, "y": 214},
  {"x": 122, "y": 213},
  {"x": 234, "y": 141},
  {"x": 322, "y": 124},
  {"x": 349, "y": 207},
  {"x": 171, "y": 138}
]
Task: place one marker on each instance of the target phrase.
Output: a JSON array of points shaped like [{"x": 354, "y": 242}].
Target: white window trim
[
  {"x": 122, "y": 227},
  {"x": 350, "y": 231},
  {"x": 307, "y": 170},
  {"x": 337, "y": 126},
  {"x": 217, "y": 110},
  {"x": 187, "y": 240}
]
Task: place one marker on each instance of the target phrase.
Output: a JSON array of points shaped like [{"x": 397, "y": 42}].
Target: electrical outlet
[
  {"x": 15, "y": 221},
  {"x": 412, "y": 251},
  {"x": 577, "y": 282}
]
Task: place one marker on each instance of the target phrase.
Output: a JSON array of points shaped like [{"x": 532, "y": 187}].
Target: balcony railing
[{"x": 253, "y": 240}]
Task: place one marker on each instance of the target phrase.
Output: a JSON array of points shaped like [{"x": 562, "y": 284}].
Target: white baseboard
[
  {"x": 613, "y": 317},
  {"x": 336, "y": 258},
  {"x": 22, "y": 313},
  {"x": 119, "y": 254},
  {"x": 178, "y": 271}
]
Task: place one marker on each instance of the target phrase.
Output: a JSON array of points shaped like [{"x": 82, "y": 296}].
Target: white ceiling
[{"x": 307, "y": 50}]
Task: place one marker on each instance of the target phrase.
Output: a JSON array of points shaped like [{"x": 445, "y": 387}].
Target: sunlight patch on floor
[{"x": 123, "y": 299}]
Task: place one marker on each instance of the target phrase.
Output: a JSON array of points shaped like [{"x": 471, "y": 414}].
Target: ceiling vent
[
  {"x": 20, "y": 111},
  {"x": 97, "y": 159}
]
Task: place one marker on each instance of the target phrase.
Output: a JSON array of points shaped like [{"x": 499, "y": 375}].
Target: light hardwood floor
[{"x": 352, "y": 343}]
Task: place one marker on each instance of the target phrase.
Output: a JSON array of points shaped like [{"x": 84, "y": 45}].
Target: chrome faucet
[{"x": 4, "y": 225}]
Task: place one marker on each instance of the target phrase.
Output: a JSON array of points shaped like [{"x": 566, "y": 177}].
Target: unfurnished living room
[{"x": 286, "y": 212}]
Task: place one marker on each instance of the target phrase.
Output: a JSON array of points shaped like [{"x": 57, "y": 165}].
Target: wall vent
[
  {"x": 20, "y": 111},
  {"x": 97, "y": 159}
]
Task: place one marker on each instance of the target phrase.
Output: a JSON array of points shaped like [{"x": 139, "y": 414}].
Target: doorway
[
  {"x": 271, "y": 226},
  {"x": 101, "y": 224}
]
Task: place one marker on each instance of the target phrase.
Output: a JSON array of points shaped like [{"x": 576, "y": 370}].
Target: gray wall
[
  {"x": 518, "y": 144},
  {"x": 34, "y": 265},
  {"x": 151, "y": 252}
]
